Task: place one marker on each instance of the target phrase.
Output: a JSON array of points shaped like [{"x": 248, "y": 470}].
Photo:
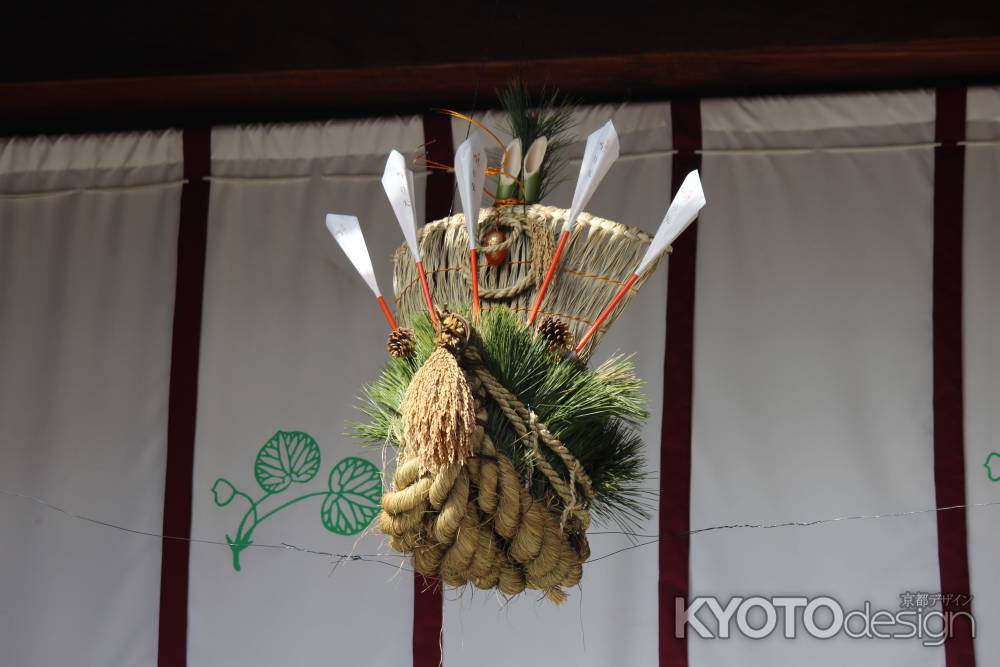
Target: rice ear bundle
[{"x": 438, "y": 413}]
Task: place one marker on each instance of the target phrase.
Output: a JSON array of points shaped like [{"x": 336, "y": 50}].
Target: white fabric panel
[
  {"x": 813, "y": 381},
  {"x": 864, "y": 119},
  {"x": 86, "y": 306},
  {"x": 36, "y": 164},
  {"x": 982, "y": 364},
  {"x": 290, "y": 334},
  {"x": 983, "y": 114},
  {"x": 612, "y": 618},
  {"x": 357, "y": 147}
]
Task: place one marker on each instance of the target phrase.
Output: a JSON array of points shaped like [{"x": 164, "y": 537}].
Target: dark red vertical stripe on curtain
[
  {"x": 678, "y": 371},
  {"x": 949, "y": 432},
  {"x": 183, "y": 401},
  {"x": 427, "y": 599}
]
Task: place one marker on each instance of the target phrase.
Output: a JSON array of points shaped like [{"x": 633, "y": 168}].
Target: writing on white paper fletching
[
  {"x": 397, "y": 180},
  {"x": 470, "y": 175},
  {"x": 683, "y": 210},
  {"x": 601, "y": 151},
  {"x": 347, "y": 231}
]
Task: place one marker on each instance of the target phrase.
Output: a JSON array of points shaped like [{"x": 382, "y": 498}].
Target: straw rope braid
[
  {"x": 527, "y": 425},
  {"x": 473, "y": 521},
  {"x": 599, "y": 257}
]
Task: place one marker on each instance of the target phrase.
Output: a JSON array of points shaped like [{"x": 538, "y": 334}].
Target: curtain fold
[
  {"x": 812, "y": 366},
  {"x": 86, "y": 305},
  {"x": 290, "y": 334},
  {"x": 818, "y": 121},
  {"x": 45, "y": 164},
  {"x": 981, "y": 283}
]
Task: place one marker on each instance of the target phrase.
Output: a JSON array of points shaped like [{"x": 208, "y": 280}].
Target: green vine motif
[
  {"x": 992, "y": 466},
  {"x": 351, "y": 501}
]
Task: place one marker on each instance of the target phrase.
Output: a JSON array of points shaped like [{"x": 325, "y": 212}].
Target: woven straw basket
[{"x": 599, "y": 257}]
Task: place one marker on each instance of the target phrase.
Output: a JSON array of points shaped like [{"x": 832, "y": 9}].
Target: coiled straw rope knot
[
  {"x": 459, "y": 506},
  {"x": 542, "y": 247}
]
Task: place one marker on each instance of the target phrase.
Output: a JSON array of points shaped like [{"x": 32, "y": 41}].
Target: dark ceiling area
[
  {"x": 86, "y": 65},
  {"x": 155, "y": 39}
]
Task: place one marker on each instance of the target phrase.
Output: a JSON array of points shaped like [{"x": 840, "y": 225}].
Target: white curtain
[
  {"x": 290, "y": 334},
  {"x": 88, "y": 235},
  {"x": 812, "y": 367},
  {"x": 982, "y": 359},
  {"x": 812, "y": 388}
]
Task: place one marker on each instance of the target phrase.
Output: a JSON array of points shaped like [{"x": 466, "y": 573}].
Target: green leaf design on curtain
[
  {"x": 355, "y": 494},
  {"x": 289, "y": 456},
  {"x": 992, "y": 466},
  {"x": 350, "y": 502}
]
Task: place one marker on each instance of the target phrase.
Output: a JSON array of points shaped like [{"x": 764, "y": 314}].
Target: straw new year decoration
[{"x": 508, "y": 444}]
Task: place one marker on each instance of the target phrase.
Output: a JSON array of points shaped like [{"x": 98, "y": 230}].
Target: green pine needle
[
  {"x": 594, "y": 412},
  {"x": 551, "y": 117}
]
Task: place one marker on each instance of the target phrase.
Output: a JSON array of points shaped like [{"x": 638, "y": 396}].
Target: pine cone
[
  {"x": 401, "y": 343},
  {"x": 453, "y": 331},
  {"x": 556, "y": 334}
]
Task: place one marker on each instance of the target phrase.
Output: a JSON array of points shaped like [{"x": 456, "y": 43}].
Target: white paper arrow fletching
[
  {"x": 683, "y": 210},
  {"x": 601, "y": 151},
  {"x": 470, "y": 174},
  {"x": 398, "y": 183},
  {"x": 347, "y": 231}
]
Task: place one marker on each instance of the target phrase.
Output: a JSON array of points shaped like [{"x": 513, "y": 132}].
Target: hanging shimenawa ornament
[
  {"x": 504, "y": 449},
  {"x": 496, "y": 237}
]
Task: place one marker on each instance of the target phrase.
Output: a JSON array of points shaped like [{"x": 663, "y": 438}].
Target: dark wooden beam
[{"x": 243, "y": 97}]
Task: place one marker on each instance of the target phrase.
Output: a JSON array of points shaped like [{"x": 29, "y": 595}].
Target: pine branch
[
  {"x": 595, "y": 412},
  {"x": 551, "y": 117}
]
